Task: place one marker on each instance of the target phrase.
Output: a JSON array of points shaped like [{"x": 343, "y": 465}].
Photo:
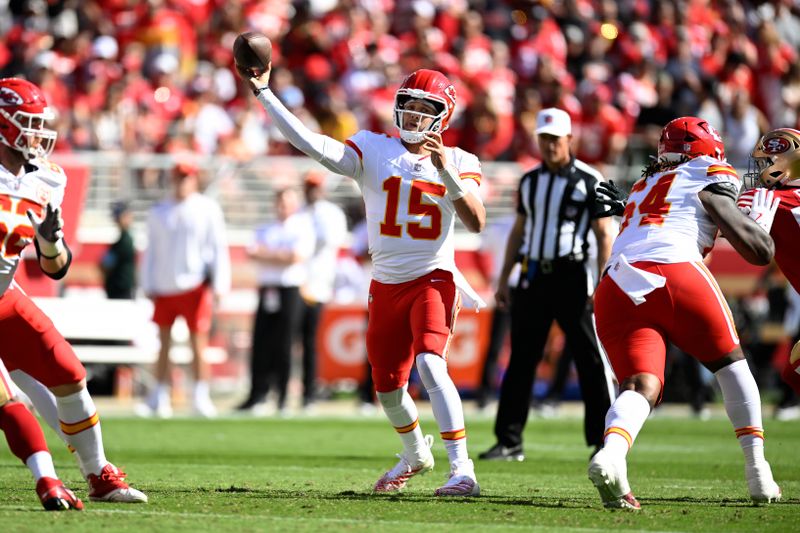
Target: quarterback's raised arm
[{"x": 332, "y": 154}]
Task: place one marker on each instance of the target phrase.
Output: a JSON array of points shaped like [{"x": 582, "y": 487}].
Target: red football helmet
[
  {"x": 23, "y": 113},
  {"x": 689, "y": 137},
  {"x": 432, "y": 87}
]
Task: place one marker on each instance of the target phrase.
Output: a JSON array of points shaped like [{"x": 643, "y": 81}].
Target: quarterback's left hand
[
  {"x": 763, "y": 208},
  {"x": 48, "y": 228},
  {"x": 433, "y": 143}
]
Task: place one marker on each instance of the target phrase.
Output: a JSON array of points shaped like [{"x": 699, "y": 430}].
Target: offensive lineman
[
  {"x": 656, "y": 289},
  {"x": 31, "y": 191},
  {"x": 412, "y": 187}
]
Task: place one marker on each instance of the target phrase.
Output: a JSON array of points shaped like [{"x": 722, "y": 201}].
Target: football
[{"x": 252, "y": 52}]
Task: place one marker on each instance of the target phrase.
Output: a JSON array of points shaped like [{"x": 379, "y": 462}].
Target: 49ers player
[
  {"x": 657, "y": 290},
  {"x": 775, "y": 165},
  {"x": 31, "y": 191},
  {"x": 413, "y": 188}
]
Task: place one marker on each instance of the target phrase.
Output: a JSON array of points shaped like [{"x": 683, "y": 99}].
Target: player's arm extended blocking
[{"x": 746, "y": 236}]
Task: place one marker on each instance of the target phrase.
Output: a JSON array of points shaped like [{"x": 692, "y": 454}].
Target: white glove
[
  {"x": 48, "y": 230},
  {"x": 763, "y": 208}
]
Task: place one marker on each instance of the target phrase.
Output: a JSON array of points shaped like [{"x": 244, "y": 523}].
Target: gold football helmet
[{"x": 775, "y": 160}]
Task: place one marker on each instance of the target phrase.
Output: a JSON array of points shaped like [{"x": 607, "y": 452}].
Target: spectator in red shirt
[{"x": 601, "y": 137}]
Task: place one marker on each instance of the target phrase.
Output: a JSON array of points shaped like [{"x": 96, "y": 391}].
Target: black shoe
[
  {"x": 596, "y": 449},
  {"x": 250, "y": 403},
  {"x": 498, "y": 452}
]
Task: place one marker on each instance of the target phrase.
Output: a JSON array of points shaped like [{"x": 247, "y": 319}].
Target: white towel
[
  {"x": 469, "y": 298},
  {"x": 634, "y": 282}
]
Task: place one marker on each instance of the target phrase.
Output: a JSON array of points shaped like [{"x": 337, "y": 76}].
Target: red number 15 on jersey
[{"x": 416, "y": 206}]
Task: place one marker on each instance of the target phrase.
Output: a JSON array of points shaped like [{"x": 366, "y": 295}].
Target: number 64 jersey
[
  {"x": 43, "y": 183},
  {"x": 664, "y": 220},
  {"x": 410, "y": 219}
]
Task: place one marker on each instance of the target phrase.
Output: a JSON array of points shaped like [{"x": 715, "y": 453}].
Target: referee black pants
[{"x": 559, "y": 295}]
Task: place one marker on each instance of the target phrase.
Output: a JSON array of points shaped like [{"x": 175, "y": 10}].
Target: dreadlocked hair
[{"x": 660, "y": 165}]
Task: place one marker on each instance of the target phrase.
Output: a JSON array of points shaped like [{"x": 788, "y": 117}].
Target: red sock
[{"x": 23, "y": 433}]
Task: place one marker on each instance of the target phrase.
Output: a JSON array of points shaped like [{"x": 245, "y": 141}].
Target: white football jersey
[
  {"x": 43, "y": 183},
  {"x": 410, "y": 219},
  {"x": 664, "y": 221}
]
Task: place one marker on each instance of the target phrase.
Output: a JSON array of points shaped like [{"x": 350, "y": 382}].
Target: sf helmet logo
[
  {"x": 9, "y": 97},
  {"x": 776, "y": 145}
]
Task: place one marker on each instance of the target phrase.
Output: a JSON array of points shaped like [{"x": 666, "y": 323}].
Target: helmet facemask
[
  {"x": 33, "y": 138},
  {"x": 424, "y": 122}
]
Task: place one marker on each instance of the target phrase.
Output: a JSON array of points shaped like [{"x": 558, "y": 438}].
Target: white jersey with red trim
[
  {"x": 665, "y": 221},
  {"x": 410, "y": 219},
  {"x": 42, "y": 183}
]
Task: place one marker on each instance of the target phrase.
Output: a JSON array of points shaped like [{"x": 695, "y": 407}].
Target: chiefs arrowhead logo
[
  {"x": 43, "y": 195},
  {"x": 776, "y": 145},
  {"x": 9, "y": 97}
]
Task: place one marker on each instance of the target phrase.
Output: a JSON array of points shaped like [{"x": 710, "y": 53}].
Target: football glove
[
  {"x": 608, "y": 194},
  {"x": 763, "y": 208},
  {"x": 49, "y": 233}
]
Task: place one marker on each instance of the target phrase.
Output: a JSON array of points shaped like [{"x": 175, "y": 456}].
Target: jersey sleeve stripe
[
  {"x": 715, "y": 170},
  {"x": 471, "y": 176},
  {"x": 353, "y": 145}
]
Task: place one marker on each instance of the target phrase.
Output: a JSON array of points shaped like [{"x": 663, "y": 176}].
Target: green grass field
[{"x": 313, "y": 474}]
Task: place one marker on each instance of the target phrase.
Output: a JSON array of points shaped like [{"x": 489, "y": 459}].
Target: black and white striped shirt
[{"x": 558, "y": 210}]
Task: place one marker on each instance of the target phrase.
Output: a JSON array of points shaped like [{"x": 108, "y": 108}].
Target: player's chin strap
[{"x": 455, "y": 188}]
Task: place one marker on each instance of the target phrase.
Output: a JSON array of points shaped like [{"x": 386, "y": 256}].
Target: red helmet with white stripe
[
  {"x": 689, "y": 137},
  {"x": 433, "y": 88},
  {"x": 23, "y": 113}
]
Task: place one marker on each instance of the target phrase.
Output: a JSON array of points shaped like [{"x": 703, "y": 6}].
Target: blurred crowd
[{"x": 157, "y": 75}]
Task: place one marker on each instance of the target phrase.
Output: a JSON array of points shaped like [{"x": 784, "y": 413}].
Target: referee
[{"x": 555, "y": 211}]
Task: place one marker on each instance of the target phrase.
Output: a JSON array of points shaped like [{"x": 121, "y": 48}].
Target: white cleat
[
  {"x": 763, "y": 488},
  {"x": 204, "y": 409},
  {"x": 396, "y": 478},
  {"x": 110, "y": 486},
  {"x": 610, "y": 477},
  {"x": 461, "y": 481}
]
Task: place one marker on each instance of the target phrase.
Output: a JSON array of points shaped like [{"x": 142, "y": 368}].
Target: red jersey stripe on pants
[
  {"x": 196, "y": 306},
  {"x": 32, "y": 343},
  {"x": 689, "y": 311},
  {"x": 406, "y": 319}
]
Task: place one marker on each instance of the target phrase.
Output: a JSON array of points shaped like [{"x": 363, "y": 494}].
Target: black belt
[{"x": 546, "y": 266}]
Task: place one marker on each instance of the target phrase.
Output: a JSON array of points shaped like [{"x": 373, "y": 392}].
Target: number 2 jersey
[
  {"x": 410, "y": 219},
  {"x": 665, "y": 221},
  {"x": 42, "y": 183},
  {"x": 785, "y": 231}
]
